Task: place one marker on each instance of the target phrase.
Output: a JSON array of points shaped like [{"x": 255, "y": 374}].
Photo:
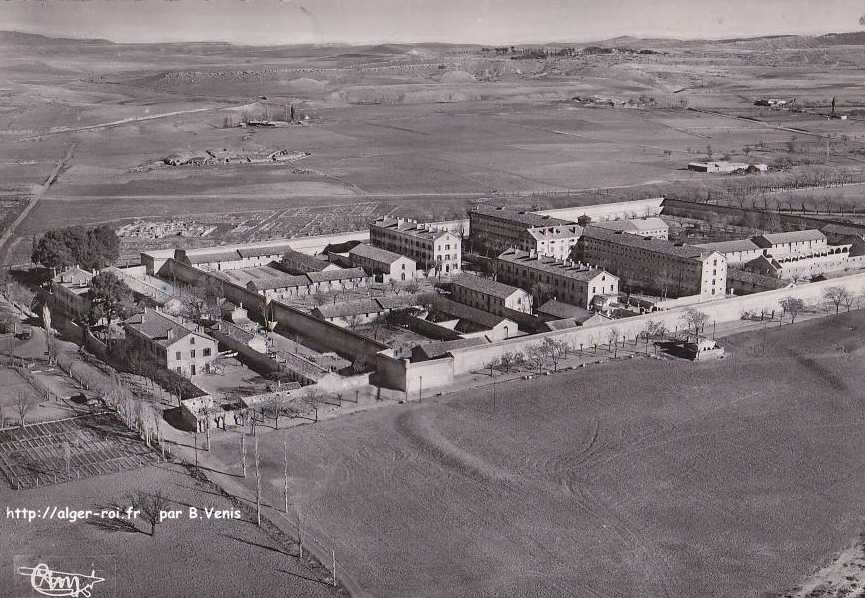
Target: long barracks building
[
  {"x": 499, "y": 229},
  {"x": 564, "y": 280},
  {"x": 655, "y": 265}
]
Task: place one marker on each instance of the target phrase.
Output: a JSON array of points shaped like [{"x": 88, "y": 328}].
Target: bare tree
[
  {"x": 849, "y": 300},
  {"x": 837, "y": 296},
  {"x": 555, "y": 350},
  {"x": 695, "y": 319},
  {"x": 151, "y": 506},
  {"x": 285, "y": 472},
  {"x": 507, "y": 361},
  {"x": 243, "y": 450},
  {"x": 257, "y": 484},
  {"x": 354, "y": 320},
  {"x": 491, "y": 366},
  {"x": 535, "y": 354},
  {"x": 792, "y": 306},
  {"x": 24, "y": 402}
]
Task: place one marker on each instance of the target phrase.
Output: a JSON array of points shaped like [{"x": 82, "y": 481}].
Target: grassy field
[
  {"x": 728, "y": 479},
  {"x": 420, "y": 131},
  {"x": 185, "y": 557}
]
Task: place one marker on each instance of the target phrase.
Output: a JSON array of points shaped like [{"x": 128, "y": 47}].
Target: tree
[
  {"x": 91, "y": 249},
  {"x": 535, "y": 354},
  {"x": 412, "y": 287},
  {"x": 8, "y": 323},
  {"x": 109, "y": 298},
  {"x": 257, "y": 483},
  {"x": 555, "y": 350},
  {"x": 837, "y": 296},
  {"x": 491, "y": 366},
  {"x": 792, "y": 306},
  {"x": 24, "y": 402},
  {"x": 53, "y": 250},
  {"x": 18, "y": 293},
  {"x": 151, "y": 506},
  {"x": 354, "y": 320},
  {"x": 695, "y": 319},
  {"x": 584, "y": 220},
  {"x": 101, "y": 249},
  {"x": 849, "y": 299},
  {"x": 507, "y": 361},
  {"x": 655, "y": 329}
]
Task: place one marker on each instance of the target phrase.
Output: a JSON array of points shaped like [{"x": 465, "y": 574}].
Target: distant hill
[{"x": 852, "y": 38}]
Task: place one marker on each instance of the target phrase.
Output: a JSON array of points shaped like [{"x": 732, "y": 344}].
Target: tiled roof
[
  {"x": 441, "y": 348},
  {"x": 458, "y": 310},
  {"x": 341, "y": 274},
  {"x": 157, "y": 326},
  {"x": 660, "y": 246},
  {"x": 528, "y": 219},
  {"x": 562, "y": 310},
  {"x": 206, "y": 257},
  {"x": 410, "y": 227},
  {"x": 552, "y": 266},
  {"x": 375, "y": 253},
  {"x": 308, "y": 263},
  {"x": 486, "y": 286},
  {"x": 400, "y": 301},
  {"x": 730, "y": 246},
  {"x": 264, "y": 250},
  {"x": 791, "y": 237},
  {"x": 841, "y": 229}
]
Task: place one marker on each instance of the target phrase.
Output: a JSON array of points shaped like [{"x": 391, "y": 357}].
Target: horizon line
[{"x": 669, "y": 38}]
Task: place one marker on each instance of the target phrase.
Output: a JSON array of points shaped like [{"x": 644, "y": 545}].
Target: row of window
[{"x": 206, "y": 352}]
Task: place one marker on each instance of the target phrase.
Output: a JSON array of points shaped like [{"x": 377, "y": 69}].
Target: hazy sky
[{"x": 480, "y": 21}]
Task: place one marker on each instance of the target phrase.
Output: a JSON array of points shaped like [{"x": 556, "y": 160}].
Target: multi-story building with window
[
  {"x": 549, "y": 278},
  {"x": 498, "y": 229},
  {"x": 738, "y": 251},
  {"x": 431, "y": 248},
  {"x": 655, "y": 265},
  {"x": 801, "y": 242},
  {"x": 490, "y": 295},
  {"x": 171, "y": 343},
  {"x": 383, "y": 264}
]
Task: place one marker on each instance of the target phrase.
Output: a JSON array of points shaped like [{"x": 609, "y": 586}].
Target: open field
[
  {"x": 421, "y": 131},
  {"x": 199, "y": 557},
  {"x": 637, "y": 478}
]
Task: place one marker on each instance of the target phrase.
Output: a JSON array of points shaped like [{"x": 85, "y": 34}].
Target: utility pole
[
  {"x": 285, "y": 472},
  {"x": 243, "y": 450},
  {"x": 333, "y": 554},
  {"x": 420, "y": 390}
]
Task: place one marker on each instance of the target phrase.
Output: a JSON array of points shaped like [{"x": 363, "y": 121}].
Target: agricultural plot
[{"x": 53, "y": 452}]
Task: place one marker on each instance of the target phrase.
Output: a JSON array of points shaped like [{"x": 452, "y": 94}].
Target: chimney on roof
[{"x": 170, "y": 334}]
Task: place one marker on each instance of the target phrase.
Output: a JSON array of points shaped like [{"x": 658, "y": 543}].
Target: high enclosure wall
[
  {"x": 342, "y": 341},
  {"x": 639, "y": 208},
  {"x": 732, "y": 214},
  {"x": 721, "y": 310}
]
